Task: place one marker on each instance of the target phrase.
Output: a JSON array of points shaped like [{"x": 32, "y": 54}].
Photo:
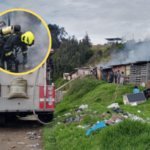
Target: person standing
[
  {"x": 115, "y": 77},
  {"x": 118, "y": 77},
  {"x": 122, "y": 78}
]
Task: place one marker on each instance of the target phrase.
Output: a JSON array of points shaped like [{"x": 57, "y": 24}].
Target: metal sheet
[{"x": 136, "y": 97}]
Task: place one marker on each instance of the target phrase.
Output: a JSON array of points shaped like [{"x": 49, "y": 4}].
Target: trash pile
[
  {"x": 115, "y": 118},
  {"x": 74, "y": 119},
  {"x": 34, "y": 136}
]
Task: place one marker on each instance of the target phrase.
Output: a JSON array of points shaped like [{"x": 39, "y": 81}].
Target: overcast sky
[{"x": 99, "y": 18}]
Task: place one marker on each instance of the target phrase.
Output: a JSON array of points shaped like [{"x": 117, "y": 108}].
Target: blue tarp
[{"x": 97, "y": 126}]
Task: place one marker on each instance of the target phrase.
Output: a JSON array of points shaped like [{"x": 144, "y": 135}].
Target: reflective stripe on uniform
[
  {"x": 9, "y": 53},
  {"x": 24, "y": 52}
]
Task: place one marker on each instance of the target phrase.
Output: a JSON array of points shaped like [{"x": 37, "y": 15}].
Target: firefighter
[{"x": 21, "y": 40}]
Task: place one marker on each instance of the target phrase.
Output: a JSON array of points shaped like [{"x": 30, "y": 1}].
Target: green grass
[
  {"x": 61, "y": 82},
  {"x": 128, "y": 135}
]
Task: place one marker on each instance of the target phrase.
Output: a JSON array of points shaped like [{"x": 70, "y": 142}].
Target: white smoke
[{"x": 132, "y": 51}]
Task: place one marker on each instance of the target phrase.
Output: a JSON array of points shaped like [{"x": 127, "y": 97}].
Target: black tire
[{"x": 45, "y": 117}]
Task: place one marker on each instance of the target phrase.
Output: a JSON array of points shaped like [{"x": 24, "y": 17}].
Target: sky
[{"x": 99, "y": 18}]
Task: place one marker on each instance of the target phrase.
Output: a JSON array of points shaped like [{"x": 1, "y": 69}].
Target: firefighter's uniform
[{"x": 16, "y": 39}]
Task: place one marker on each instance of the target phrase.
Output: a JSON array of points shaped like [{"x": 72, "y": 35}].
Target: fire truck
[
  {"x": 41, "y": 101},
  {"x": 41, "y": 96}
]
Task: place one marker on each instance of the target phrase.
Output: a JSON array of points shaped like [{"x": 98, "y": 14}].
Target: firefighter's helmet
[{"x": 28, "y": 38}]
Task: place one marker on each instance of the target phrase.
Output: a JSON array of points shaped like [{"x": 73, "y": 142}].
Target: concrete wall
[{"x": 59, "y": 96}]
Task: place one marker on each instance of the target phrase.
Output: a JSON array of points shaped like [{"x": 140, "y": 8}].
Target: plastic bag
[{"x": 18, "y": 88}]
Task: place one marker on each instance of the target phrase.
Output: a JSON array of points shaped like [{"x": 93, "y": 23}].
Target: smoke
[
  {"x": 29, "y": 22},
  {"x": 132, "y": 51}
]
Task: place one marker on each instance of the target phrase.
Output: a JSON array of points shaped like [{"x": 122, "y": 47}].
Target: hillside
[
  {"x": 98, "y": 95},
  {"x": 102, "y": 53}
]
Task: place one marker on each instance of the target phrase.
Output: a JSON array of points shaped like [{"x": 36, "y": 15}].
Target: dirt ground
[{"x": 19, "y": 136}]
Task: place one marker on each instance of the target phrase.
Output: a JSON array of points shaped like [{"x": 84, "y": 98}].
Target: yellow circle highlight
[{"x": 50, "y": 43}]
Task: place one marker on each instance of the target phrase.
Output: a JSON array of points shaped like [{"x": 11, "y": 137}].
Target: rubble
[
  {"x": 117, "y": 110},
  {"x": 74, "y": 119},
  {"x": 95, "y": 127},
  {"x": 115, "y": 105},
  {"x": 83, "y": 107}
]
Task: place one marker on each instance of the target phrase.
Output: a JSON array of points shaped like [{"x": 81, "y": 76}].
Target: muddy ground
[{"x": 21, "y": 135}]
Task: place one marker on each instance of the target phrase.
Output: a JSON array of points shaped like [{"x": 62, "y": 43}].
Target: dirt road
[{"x": 21, "y": 135}]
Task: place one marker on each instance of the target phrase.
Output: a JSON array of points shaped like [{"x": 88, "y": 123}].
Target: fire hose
[{"x": 36, "y": 79}]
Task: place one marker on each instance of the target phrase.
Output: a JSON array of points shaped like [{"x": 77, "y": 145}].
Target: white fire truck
[{"x": 41, "y": 96}]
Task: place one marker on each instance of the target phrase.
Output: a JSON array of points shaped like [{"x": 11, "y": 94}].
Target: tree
[{"x": 58, "y": 35}]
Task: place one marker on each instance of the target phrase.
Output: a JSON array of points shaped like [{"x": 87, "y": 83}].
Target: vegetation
[
  {"x": 98, "y": 95},
  {"x": 71, "y": 54},
  {"x": 61, "y": 82}
]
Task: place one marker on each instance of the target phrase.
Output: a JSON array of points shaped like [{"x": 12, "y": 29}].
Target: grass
[
  {"x": 128, "y": 135},
  {"x": 61, "y": 82}
]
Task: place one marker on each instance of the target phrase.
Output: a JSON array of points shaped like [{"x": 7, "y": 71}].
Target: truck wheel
[{"x": 45, "y": 117}]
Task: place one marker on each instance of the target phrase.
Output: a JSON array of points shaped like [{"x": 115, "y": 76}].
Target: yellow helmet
[{"x": 28, "y": 38}]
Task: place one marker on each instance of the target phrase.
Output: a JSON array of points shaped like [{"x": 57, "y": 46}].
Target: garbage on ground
[
  {"x": 134, "y": 104},
  {"x": 95, "y": 127},
  {"x": 31, "y": 133},
  {"x": 13, "y": 146},
  {"x": 96, "y": 112},
  {"x": 37, "y": 144},
  {"x": 67, "y": 114},
  {"x": 138, "y": 98},
  {"x": 117, "y": 110},
  {"x": 114, "y": 119},
  {"x": 135, "y": 117},
  {"x": 118, "y": 120},
  {"x": 83, "y": 127},
  {"x": 78, "y": 110},
  {"x": 31, "y": 138},
  {"x": 83, "y": 107},
  {"x": 138, "y": 111},
  {"x": 74, "y": 119},
  {"x": 148, "y": 119},
  {"x": 104, "y": 114},
  {"x": 38, "y": 137},
  {"x": 113, "y": 105},
  {"x": 21, "y": 143},
  {"x": 108, "y": 112},
  {"x": 58, "y": 123}
]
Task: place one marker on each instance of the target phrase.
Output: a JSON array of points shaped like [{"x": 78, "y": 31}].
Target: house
[
  {"x": 70, "y": 76},
  {"x": 83, "y": 71},
  {"x": 135, "y": 72}
]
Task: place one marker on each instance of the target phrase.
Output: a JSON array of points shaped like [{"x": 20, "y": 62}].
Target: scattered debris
[
  {"x": 31, "y": 133},
  {"x": 113, "y": 105},
  {"x": 74, "y": 119},
  {"x": 83, "y": 107},
  {"x": 118, "y": 120},
  {"x": 13, "y": 146},
  {"x": 31, "y": 138},
  {"x": 117, "y": 110},
  {"x": 67, "y": 114},
  {"x": 108, "y": 112},
  {"x": 135, "y": 117},
  {"x": 104, "y": 114},
  {"x": 21, "y": 143},
  {"x": 78, "y": 110},
  {"x": 134, "y": 104},
  {"x": 83, "y": 127},
  {"x": 113, "y": 118},
  {"x": 96, "y": 112},
  {"x": 137, "y": 98},
  {"x": 58, "y": 123},
  {"x": 95, "y": 127},
  {"x": 37, "y": 144},
  {"x": 138, "y": 111}
]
